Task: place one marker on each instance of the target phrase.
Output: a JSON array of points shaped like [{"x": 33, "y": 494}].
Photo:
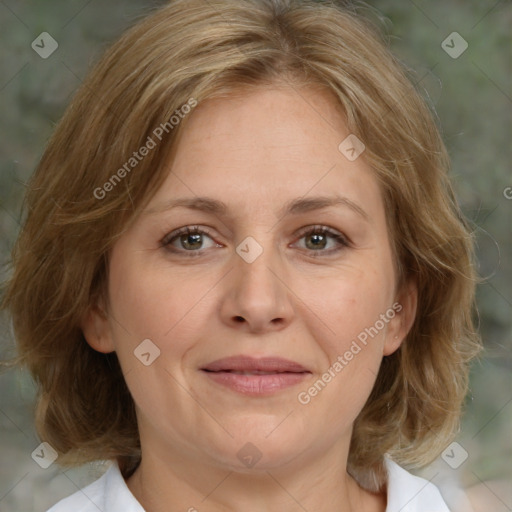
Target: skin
[{"x": 254, "y": 151}]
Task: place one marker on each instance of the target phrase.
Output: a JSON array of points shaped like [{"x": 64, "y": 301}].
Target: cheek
[
  {"x": 353, "y": 346},
  {"x": 137, "y": 304},
  {"x": 352, "y": 308},
  {"x": 138, "y": 308},
  {"x": 351, "y": 305},
  {"x": 154, "y": 302},
  {"x": 147, "y": 303}
]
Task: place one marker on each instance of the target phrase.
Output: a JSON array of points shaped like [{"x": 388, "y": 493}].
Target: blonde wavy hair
[{"x": 196, "y": 49}]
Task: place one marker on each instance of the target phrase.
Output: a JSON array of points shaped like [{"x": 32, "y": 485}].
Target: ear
[
  {"x": 405, "y": 313},
  {"x": 96, "y": 329}
]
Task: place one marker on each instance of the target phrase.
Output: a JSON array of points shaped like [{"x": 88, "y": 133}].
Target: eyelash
[{"x": 315, "y": 230}]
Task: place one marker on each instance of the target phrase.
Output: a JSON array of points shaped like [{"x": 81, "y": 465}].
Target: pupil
[
  {"x": 196, "y": 240},
  {"x": 318, "y": 238}
]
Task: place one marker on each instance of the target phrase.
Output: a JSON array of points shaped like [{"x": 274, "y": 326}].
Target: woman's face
[{"x": 297, "y": 264}]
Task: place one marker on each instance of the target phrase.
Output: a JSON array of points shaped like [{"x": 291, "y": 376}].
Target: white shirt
[{"x": 406, "y": 493}]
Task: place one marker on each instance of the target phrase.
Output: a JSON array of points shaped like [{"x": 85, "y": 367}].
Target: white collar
[
  {"x": 406, "y": 493},
  {"x": 409, "y": 493}
]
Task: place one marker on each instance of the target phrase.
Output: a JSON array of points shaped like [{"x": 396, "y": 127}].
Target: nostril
[{"x": 239, "y": 319}]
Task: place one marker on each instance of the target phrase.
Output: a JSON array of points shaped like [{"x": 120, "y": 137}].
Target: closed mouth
[
  {"x": 251, "y": 372},
  {"x": 249, "y": 365}
]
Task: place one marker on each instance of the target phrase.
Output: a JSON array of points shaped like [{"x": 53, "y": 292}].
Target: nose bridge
[
  {"x": 258, "y": 263},
  {"x": 257, "y": 292}
]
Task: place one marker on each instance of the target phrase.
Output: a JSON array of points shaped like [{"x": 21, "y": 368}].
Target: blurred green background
[{"x": 472, "y": 97}]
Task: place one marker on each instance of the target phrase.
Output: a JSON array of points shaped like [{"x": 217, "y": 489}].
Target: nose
[{"x": 257, "y": 297}]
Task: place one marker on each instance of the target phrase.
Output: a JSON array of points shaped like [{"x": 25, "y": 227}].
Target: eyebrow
[{"x": 293, "y": 207}]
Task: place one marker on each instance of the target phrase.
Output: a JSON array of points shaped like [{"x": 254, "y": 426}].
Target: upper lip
[{"x": 249, "y": 363}]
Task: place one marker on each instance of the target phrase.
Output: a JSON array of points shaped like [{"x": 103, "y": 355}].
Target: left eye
[
  {"x": 191, "y": 240},
  {"x": 317, "y": 239}
]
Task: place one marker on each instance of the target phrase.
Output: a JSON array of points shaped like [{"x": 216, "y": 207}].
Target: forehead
[
  {"x": 279, "y": 120},
  {"x": 266, "y": 147}
]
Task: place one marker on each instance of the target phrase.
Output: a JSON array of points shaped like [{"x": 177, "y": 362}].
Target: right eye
[{"x": 189, "y": 239}]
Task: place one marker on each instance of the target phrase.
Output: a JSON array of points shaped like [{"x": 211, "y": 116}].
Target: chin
[{"x": 259, "y": 451}]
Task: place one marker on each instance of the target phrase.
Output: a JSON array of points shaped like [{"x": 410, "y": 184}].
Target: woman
[{"x": 243, "y": 276}]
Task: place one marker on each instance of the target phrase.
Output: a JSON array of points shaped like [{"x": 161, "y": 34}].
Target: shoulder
[
  {"x": 410, "y": 493},
  {"x": 109, "y": 492}
]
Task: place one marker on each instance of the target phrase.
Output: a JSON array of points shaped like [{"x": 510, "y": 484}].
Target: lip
[
  {"x": 284, "y": 373},
  {"x": 252, "y": 364}
]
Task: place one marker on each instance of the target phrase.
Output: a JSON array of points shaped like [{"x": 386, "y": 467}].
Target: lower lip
[{"x": 257, "y": 384}]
